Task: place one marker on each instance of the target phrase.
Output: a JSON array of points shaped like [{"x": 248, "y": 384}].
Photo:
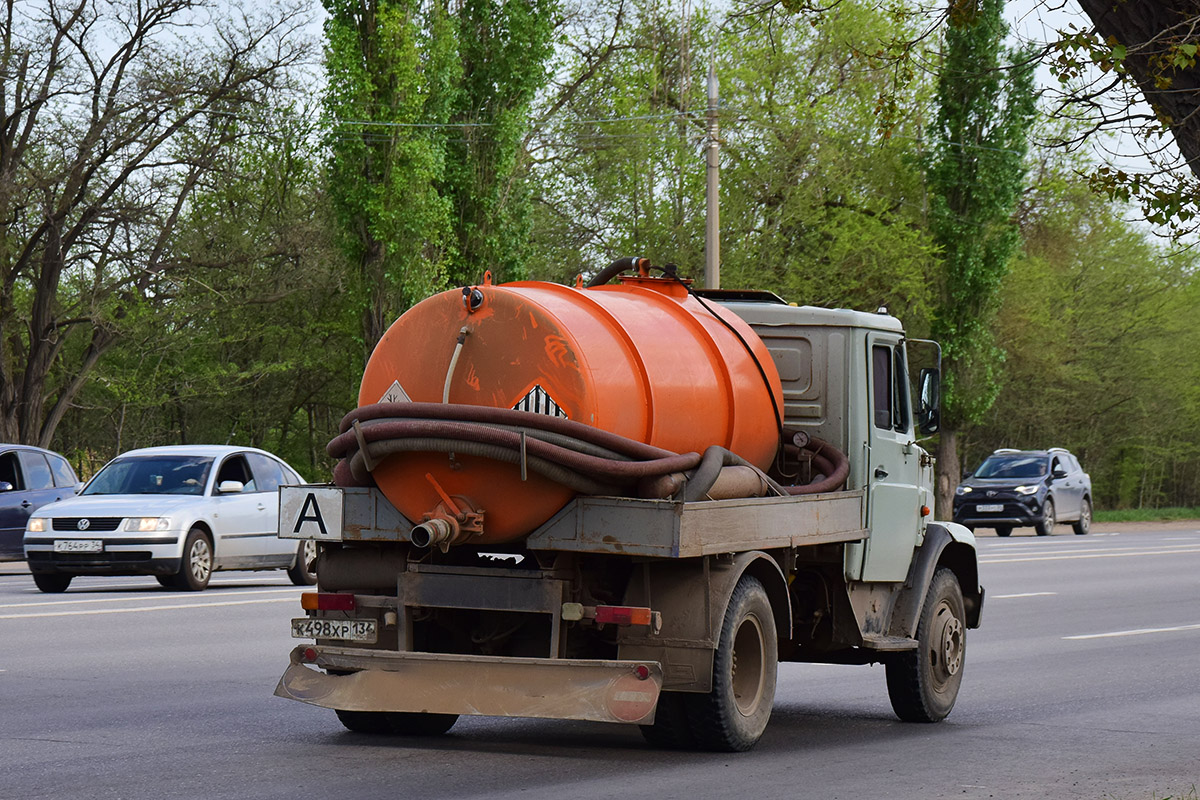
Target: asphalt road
[{"x": 1084, "y": 681}]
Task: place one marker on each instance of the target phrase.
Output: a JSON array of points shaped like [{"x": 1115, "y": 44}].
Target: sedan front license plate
[
  {"x": 990, "y": 508},
  {"x": 78, "y": 546},
  {"x": 349, "y": 630}
]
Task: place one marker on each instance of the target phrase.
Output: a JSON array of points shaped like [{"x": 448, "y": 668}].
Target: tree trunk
[
  {"x": 949, "y": 469},
  {"x": 1151, "y": 31}
]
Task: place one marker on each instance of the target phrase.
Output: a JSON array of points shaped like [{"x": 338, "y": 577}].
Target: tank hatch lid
[{"x": 740, "y": 296}]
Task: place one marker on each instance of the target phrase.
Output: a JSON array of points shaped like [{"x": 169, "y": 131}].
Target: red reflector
[
  {"x": 310, "y": 654},
  {"x": 642, "y": 672},
  {"x": 622, "y": 615},
  {"x": 327, "y": 601}
]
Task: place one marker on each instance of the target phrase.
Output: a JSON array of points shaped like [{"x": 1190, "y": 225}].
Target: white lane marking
[
  {"x": 1179, "y": 538},
  {"x": 156, "y": 596},
  {"x": 1023, "y": 594},
  {"x": 1135, "y": 632},
  {"x": 1163, "y": 552},
  {"x": 91, "y": 611}
]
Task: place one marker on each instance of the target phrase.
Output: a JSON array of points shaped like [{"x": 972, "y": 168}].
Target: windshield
[
  {"x": 152, "y": 475},
  {"x": 1012, "y": 467}
]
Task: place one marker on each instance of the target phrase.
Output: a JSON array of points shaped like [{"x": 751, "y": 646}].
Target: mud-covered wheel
[
  {"x": 671, "y": 729},
  {"x": 411, "y": 724},
  {"x": 52, "y": 582},
  {"x": 1085, "y": 519},
  {"x": 196, "y": 567},
  {"x": 923, "y": 683},
  {"x": 304, "y": 571},
  {"x": 375, "y": 722},
  {"x": 395, "y": 723},
  {"x": 1045, "y": 526},
  {"x": 733, "y": 716}
]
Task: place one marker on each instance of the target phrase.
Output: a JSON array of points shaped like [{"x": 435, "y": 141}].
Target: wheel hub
[{"x": 952, "y": 646}]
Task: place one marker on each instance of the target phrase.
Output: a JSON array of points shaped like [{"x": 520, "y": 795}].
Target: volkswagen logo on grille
[{"x": 83, "y": 524}]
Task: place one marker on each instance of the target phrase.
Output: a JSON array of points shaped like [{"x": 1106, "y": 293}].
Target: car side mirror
[
  {"x": 230, "y": 487},
  {"x": 5, "y": 486},
  {"x": 79, "y": 487},
  {"x": 929, "y": 401},
  {"x": 1059, "y": 473}
]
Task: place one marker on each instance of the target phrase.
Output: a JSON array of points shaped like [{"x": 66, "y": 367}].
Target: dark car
[
  {"x": 1023, "y": 488},
  {"x": 30, "y": 477}
]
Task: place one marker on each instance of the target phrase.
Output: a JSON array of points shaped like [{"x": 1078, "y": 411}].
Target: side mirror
[
  {"x": 929, "y": 401},
  {"x": 230, "y": 487},
  {"x": 1059, "y": 472},
  {"x": 79, "y": 487},
  {"x": 5, "y": 486}
]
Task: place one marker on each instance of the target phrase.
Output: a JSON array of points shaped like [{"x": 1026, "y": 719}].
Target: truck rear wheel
[
  {"x": 671, "y": 729},
  {"x": 396, "y": 723},
  {"x": 923, "y": 683},
  {"x": 733, "y": 716}
]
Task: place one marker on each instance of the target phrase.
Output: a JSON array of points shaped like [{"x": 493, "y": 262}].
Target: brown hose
[{"x": 609, "y": 469}]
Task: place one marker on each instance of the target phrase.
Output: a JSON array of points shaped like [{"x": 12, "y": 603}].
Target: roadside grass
[{"x": 1148, "y": 515}]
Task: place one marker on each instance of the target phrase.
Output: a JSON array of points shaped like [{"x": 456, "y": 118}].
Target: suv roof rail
[{"x": 1006, "y": 450}]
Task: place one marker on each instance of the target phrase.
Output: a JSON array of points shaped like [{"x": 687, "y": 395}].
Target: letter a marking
[{"x": 315, "y": 516}]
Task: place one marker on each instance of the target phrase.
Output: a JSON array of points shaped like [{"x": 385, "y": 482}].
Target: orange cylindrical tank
[{"x": 642, "y": 359}]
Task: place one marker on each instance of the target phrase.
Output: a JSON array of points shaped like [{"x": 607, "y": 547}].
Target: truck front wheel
[
  {"x": 733, "y": 716},
  {"x": 923, "y": 683}
]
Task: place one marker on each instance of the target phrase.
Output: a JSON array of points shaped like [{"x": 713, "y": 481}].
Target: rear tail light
[
  {"x": 327, "y": 601},
  {"x": 623, "y": 615}
]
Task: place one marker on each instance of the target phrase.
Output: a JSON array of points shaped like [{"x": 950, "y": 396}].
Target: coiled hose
[{"x": 582, "y": 458}]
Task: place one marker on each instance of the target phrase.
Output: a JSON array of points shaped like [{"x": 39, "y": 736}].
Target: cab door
[{"x": 893, "y": 490}]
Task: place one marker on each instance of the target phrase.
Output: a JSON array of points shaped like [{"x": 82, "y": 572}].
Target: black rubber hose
[
  {"x": 616, "y": 268},
  {"x": 603, "y": 468},
  {"x": 492, "y": 416},
  {"x": 716, "y": 458},
  {"x": 555, "y": 472}
]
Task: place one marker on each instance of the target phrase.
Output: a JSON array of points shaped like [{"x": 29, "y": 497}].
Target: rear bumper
[{"x": 585, "y": 689}]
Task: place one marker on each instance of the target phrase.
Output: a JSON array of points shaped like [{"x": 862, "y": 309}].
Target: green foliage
[
  {"x": 391, "y": 66},
  {"x": 815, "y": 202},
  {"x": 428, "y": 109},
  {"x": 1099, "y": 325},
  {"x": 975, "y": 177},
  {"x": 504, "y": 48}
]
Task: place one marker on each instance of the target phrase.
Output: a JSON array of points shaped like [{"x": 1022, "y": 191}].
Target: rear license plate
[
  {"x": 990, "y": 508},
  {"x": 78, "y": 546},
  {"x": 349, "y": 630}
]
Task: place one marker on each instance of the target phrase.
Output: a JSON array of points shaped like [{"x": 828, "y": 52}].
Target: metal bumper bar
[{"x": 586, "y": 689}]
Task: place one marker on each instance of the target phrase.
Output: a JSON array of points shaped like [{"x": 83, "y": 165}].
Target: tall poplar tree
[
  {"x": 392, "y": 67},
  {"x": 975, "y": 177}
]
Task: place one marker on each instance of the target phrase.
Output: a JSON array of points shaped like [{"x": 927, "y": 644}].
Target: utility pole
[{"x": 712, "y": 227}]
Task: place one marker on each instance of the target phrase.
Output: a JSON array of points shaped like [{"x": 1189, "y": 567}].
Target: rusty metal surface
[
  {"x": 671, "y": 529},
  {"x": 350, "y": 514},
  {"x": 596, "y": 690}
]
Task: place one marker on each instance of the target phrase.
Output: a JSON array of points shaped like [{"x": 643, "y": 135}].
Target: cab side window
[
  {"x": 881, "y": 386},
  {"x": 37, "y": 471}
]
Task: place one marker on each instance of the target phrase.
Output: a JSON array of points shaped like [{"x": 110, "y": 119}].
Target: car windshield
[
  {"x": 152, "y": 475},
  {"x": 1012, "y": 467}
]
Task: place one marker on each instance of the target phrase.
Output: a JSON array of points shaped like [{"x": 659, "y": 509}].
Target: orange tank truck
[{"x": 642, "y": 359}]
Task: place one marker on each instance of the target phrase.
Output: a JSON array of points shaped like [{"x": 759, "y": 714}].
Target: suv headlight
[
  {"x": 144, "y": 524},
  {"x": 36, "y": 525},
  {"x": 963, "y": 490},
  {"x": 1026, "y": 489}
]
